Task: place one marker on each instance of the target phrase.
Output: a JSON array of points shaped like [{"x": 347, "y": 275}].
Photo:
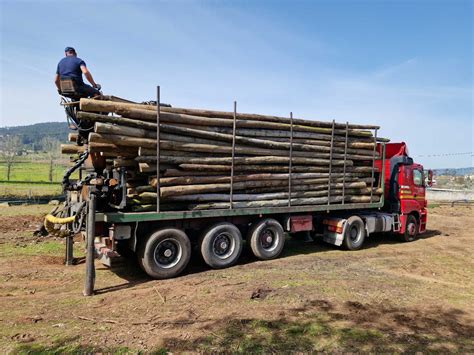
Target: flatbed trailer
[
  {"x": 128, "y": 217},
  {"x": 135, "y": 227}
]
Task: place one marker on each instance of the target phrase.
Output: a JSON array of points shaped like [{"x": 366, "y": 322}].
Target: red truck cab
[{"x": 404, "y": 190}]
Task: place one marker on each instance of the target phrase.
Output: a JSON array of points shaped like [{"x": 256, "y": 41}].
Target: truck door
[
  {"x": 411, "y": 189},
  {"x": 419, "y": 187},
  {"x": 412, "y": 194}
]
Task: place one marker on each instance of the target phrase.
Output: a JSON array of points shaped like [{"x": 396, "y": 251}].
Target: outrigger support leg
[
  {"x": 69, "y": 250},
  {"x": 90, "y": 251}
]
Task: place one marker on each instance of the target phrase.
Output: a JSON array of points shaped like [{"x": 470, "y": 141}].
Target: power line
[{"x": 443, "y": 155}]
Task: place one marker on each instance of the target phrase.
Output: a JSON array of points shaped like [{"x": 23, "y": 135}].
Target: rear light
[{"x": 335, "y": 229}]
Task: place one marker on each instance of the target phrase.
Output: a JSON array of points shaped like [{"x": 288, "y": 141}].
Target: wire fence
[{"x": 32, "y": 172}]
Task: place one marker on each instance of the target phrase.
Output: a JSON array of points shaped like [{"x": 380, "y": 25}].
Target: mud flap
[
  {"x": 333, "y": 238},
  {"x": 334, "y": 230}
]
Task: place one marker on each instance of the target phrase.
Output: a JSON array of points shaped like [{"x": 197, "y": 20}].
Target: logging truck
[{"x": 162, "y": 240}]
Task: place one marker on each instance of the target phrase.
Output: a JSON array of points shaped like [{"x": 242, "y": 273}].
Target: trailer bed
[{"x": 125, "y": 217}]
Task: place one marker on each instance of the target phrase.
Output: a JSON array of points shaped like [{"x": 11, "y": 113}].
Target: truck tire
[
  {"x": 165, "y": 253},
  {"x": 266, "y": 238},
  {"x": 354, "y": 233},
  {"x": 221, "y": 245},
  {"x": 411, "y": 229}
]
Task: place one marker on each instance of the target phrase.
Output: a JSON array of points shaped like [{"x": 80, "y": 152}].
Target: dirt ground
[{"x": 389, "y": 296}]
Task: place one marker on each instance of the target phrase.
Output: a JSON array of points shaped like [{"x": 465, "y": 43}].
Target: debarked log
[
  {"x": 189, "y": 180},
  {"x": 185, "y": 134},
  {"x": 274, "y": 135},
  {"x": 316, "y": 201},
  {"x": 193, "y": 189},
  {"x": 213, "y": 169},
  {"x": 225, "y": 197},
  {"x": 147, "y": 112},
  {"x": 210, "y": 148},
  {"x": 244, "y": 160},
  {"x": 284, "y": 202}
]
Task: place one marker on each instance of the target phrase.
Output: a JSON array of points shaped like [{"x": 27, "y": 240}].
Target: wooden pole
[
  {"x": 145, "y": 114},
  {"x": 265, "y": 159},
  {"x": 110, "y": 106},
  {"x": 172, "y": 152}
]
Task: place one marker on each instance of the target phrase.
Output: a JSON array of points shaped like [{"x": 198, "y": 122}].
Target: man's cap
[{"x": 69, "y": 49}]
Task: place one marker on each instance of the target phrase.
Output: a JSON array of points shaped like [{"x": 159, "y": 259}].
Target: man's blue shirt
[{"x": 71, "y": 67}]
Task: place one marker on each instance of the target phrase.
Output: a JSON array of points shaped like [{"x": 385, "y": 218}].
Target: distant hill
[
  {"x": 31, "y": 135},
  {"x": 454, "y": 172}
]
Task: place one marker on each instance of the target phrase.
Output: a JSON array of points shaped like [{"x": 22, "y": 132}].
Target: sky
[{"x": 404, "y": 65}]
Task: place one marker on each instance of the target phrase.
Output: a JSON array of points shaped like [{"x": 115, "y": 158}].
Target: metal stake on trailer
[
  {"x": 344, "y": 168},
  {"x": 330, "y": 163},
  {"x": 382, "y": 172},
  {"x": 382, "y": 176},
  {"x": 290, "y": 163},
  {"x": 158, "y": 149},
  {"x": 233, "y": 157},
  {"x": 373, "y": 166}
]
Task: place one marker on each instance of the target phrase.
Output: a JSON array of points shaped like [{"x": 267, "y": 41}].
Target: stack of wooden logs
[{"x": 330, "y": 162}]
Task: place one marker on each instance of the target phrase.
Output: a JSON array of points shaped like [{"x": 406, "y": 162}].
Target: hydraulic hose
[
  {"x": 65, "y": 182},
  {"x": 50, "y": 221}
]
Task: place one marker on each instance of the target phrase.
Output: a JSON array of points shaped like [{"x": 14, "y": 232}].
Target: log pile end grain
[{"x": 330, "y": 163}]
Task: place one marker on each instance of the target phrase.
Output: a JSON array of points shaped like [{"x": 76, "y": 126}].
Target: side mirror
[{"x": 429, "y": 182}]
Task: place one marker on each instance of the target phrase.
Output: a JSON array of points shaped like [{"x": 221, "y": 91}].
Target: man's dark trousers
[
  {"x": 82, "y": 88},
  {"x": 88, "y": 90}
]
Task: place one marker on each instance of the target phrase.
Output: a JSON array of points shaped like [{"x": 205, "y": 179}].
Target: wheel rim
[
  {"x": 354, "y": 234},
  {"x": 223, "y": 245},
  {"x": 411, "y": 229},
  {"x": 268, "y": 239},
  {"x": 167, "y": 253}
]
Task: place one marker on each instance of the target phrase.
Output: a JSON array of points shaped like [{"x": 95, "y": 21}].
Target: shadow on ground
[
  {"x": 353, "y": 327},
  {"x": 67, "y": 345},
  {"x": 319, "y": 325},
  {"x": 128, "y": 269}
]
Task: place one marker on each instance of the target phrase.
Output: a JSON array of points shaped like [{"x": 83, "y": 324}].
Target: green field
[
  {"x": 29, "y": 178},
  {"x": 31, "y": 170},
  {"x": 31, "y": 190}
]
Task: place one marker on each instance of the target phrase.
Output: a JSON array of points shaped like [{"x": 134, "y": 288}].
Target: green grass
[
  {"x": 46, "y": 248},
  {"x": 23, "y": 190},
  {"x": 42, "y": 248},
  {"x": 25, "y": 210},
  {"x": 29, "y": 177},
  {"x": 315, "y": 333},
  {"x": 67, "y": 345},
  {"x": 33, "y": 170}
]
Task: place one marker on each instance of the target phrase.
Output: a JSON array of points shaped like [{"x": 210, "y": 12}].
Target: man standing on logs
[{"x": 71, "y": 68}]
